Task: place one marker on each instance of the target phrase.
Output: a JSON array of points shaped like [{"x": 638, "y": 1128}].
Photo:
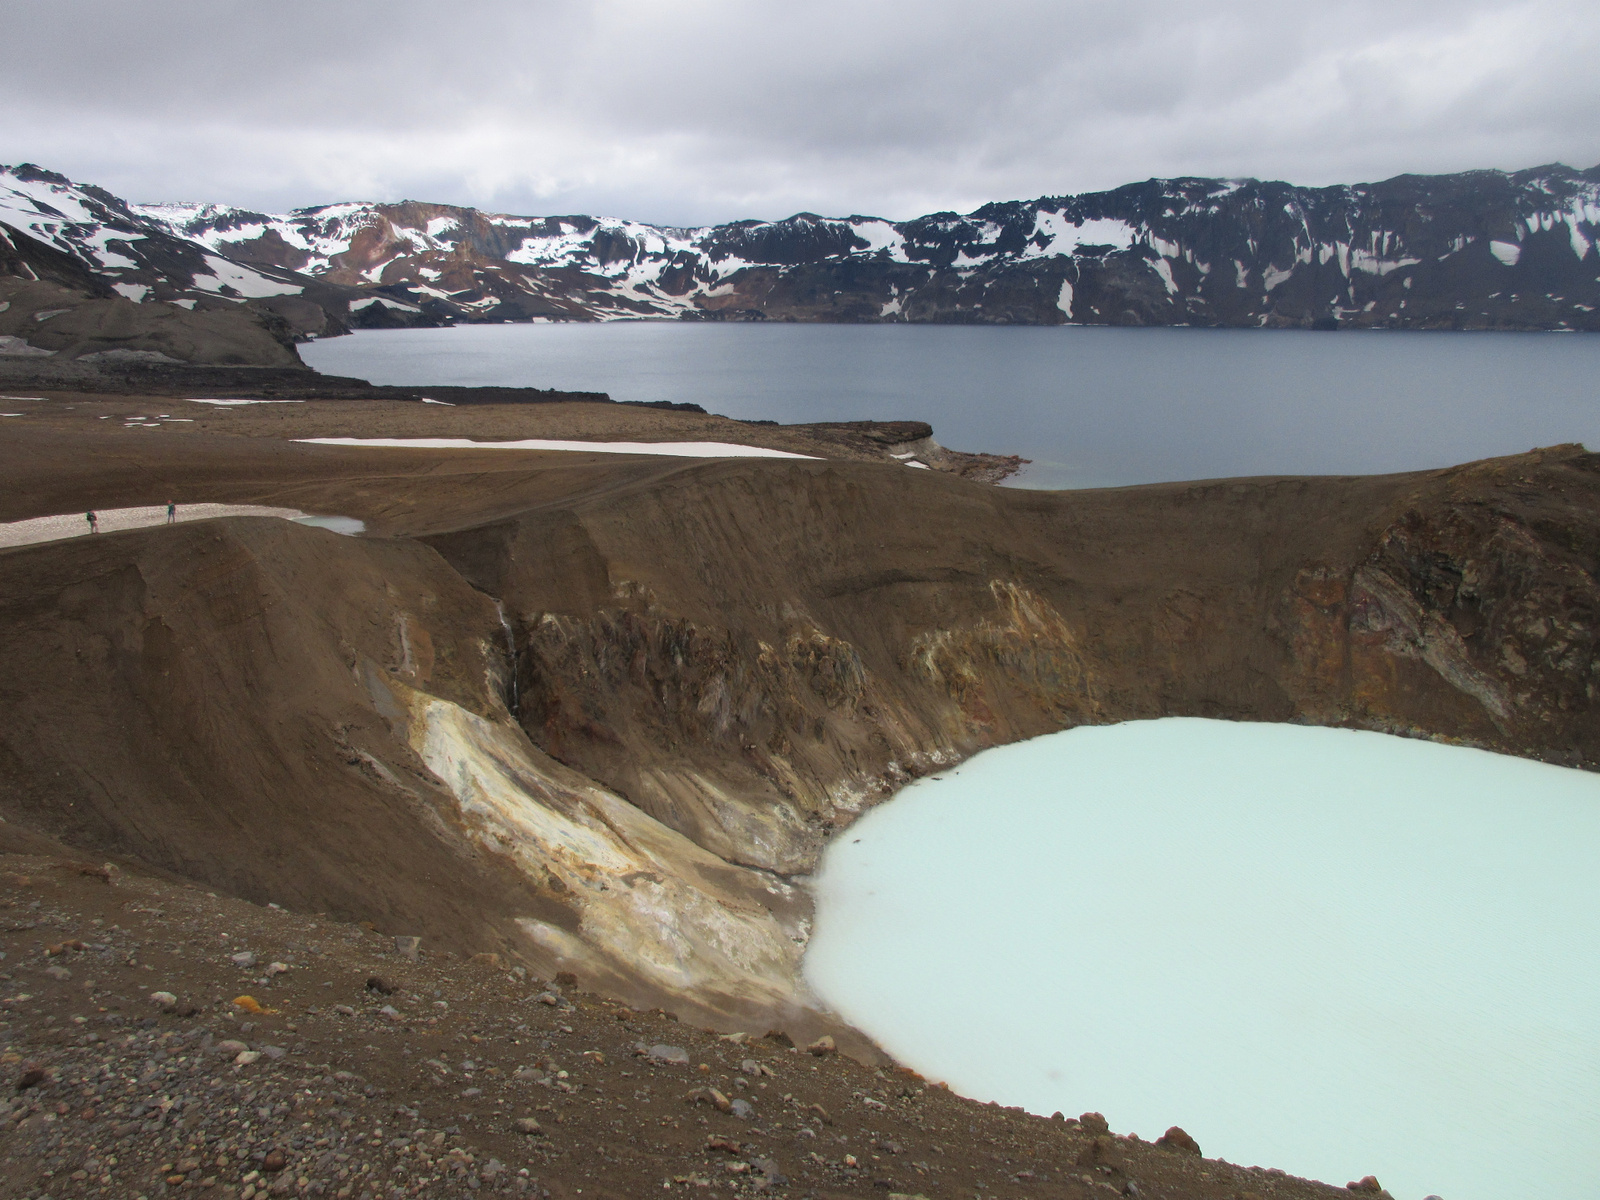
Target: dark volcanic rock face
[
  {"x": 1490, "y": 588},
  {"x": 1477, "y": 250}
]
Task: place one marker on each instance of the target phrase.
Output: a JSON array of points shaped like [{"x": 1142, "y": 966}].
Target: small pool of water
[{"x": 1336, "y": 952}]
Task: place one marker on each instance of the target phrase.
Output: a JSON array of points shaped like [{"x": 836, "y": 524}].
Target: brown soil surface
[
  {"x": 703, "y": 671},
  {"x": 377, "y": 1076},
  {"x": 88, "y": 419}
]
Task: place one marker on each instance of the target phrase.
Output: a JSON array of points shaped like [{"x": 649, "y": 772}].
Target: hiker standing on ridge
[
  {"x": 172, "y": 512},
  {"x": 94, "y": 521}
]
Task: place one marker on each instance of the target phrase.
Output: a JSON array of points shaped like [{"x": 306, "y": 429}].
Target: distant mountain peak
[{"x": 1481, "y": 249}]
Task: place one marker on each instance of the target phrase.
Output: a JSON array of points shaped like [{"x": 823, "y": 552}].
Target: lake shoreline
[
  {"x": 1238, "y": 908},
  {"x": 1091, "y": 407}
]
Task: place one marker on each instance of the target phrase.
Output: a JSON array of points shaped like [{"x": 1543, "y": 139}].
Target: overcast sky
[{"x": 696, "y": 111}]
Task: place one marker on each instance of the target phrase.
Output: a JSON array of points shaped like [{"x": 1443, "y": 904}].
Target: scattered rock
[
  {"x": 58, "y": 972},
  {"x": 1093, "y": 1122},
  {"x": 430, "y": 1100},
  {"x": 1367, "y": 1183},
  {"x": 1102, "y": 1150},
  {"x": 276, "y": 968},
  {"x": 245, "y": 959},
  {"x": 711, "y": 1096},
  {"x": 1177, "y": 1140},
  {"x": 376, "y": 983},
  {"x": 822, "y": 1047},
  {"x": 408, "y": 947},
  {"x": 769, "y": 1168},
  {"x": 549, "y": 998},
  {"x": 779, "y": 1036}
]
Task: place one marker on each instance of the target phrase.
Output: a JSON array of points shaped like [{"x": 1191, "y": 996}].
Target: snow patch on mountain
[
  {"x": 1140, "y": 254},
  {"x": 1509, "y": 253},
  {"x": 225, "y": 274},
  {"x": 1064, "y": 299}
]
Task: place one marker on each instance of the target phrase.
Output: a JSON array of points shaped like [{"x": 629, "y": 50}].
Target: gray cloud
[{"x": 692, "y": 111}]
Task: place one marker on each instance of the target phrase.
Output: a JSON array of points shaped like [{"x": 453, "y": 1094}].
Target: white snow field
[
  {"x": 242, "y": 403},
  {"x": 1326, "y": 950},
  {"x": 674, "y": 449},
  {"x": 115, "y": 520}
]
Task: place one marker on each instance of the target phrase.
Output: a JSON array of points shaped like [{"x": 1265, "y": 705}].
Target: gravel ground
[{"x": 161, "y": 1040}]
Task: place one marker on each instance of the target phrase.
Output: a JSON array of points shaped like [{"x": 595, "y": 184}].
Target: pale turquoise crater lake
[{"x": 1335, "y": 952}]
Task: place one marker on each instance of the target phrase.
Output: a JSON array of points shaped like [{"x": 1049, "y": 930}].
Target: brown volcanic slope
[{"x": 717, "y": 663}]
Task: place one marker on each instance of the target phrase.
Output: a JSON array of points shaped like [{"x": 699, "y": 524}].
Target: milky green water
[{"x": 1330, "y": 951}]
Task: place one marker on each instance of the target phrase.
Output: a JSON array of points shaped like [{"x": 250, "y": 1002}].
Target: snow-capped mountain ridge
[
  {"x": 1482, "y": 249},
  {"x": 120, "y": 242}
]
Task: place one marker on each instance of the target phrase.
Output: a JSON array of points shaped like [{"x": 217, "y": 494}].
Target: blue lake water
[
  {"x": 1092, "y": 407},
  {"x": 1330, "y": 951}
]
